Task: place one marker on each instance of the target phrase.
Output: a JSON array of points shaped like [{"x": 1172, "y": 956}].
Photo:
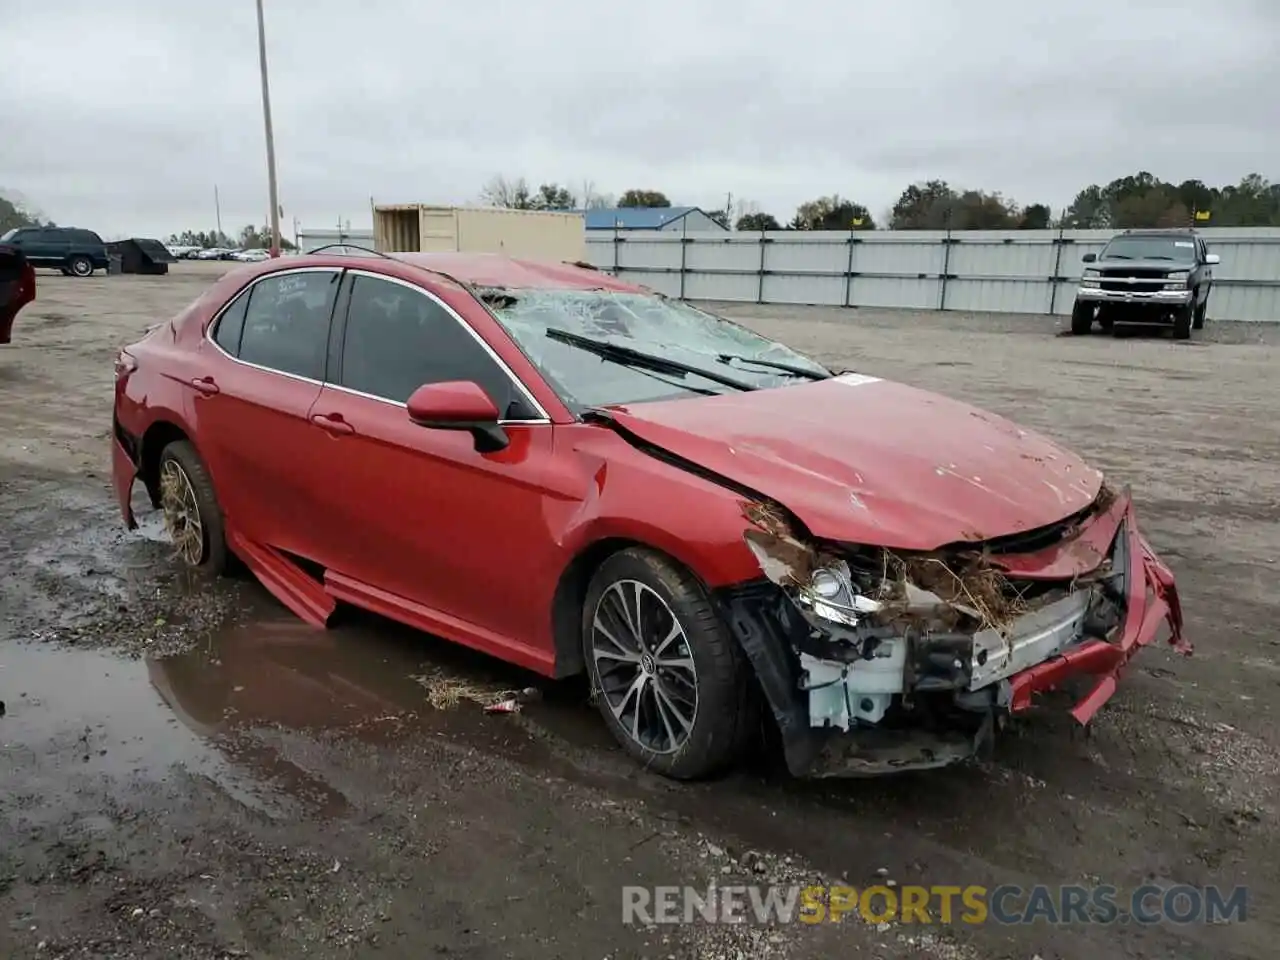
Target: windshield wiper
[
  {"x": 1118, "y": 256},
  {"x": 775, "y": 365},
  {"x": 638, "y": 358}
]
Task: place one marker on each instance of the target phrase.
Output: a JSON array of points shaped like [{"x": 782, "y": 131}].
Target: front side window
[
  {"x": 398, "y": 339},
  {"x": 286, "y": 323},
  {"x": 1177, "y": 249},
  {"x": 538, "y": 319}
]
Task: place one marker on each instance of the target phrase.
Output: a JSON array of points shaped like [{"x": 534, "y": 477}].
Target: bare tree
[
  {"x": 512, "y": 194},
  {"x": 592, "y": 199}
]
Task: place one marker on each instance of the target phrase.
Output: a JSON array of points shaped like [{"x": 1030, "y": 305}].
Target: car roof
[
  {"x": 497, "y": 270},
  {"x": 474, "y": 269}
]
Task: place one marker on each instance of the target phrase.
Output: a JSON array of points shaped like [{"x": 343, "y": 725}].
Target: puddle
[
  {"x": 211, "y": 712},
  {"x": 368, "y": 677}
]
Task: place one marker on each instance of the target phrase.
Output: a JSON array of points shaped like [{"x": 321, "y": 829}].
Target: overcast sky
[{"x": 122, "y": 116}]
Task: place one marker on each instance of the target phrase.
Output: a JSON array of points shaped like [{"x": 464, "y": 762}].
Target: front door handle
[
  {"x": 205, "y": 385},
  {"x": 332, "y": 422}
]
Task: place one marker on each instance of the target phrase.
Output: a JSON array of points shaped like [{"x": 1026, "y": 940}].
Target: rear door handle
[
  {"x": 332, "y": 422},
  {"x": 205, "y": 385}
]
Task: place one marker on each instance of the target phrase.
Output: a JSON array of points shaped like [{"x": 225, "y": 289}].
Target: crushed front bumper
[{"x": 1041, "y": 652}]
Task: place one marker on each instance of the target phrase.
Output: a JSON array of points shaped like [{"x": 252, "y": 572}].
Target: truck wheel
[
  {"x": 1198, "y": 322},
  {"x": 670, "y": 680},
  {"x": 80, "y": 266},
  {"x": 1081, "y": 318},
  {"x": 1182, "y": 321}
]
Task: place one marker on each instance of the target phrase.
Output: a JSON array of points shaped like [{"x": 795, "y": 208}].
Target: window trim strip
[{"x": 212, "y": 326}]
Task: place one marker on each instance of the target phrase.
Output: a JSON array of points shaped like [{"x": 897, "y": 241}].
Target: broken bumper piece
[{"x": 915, "y": 666}]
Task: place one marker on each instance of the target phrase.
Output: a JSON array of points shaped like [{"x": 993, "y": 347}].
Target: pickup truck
[
  {"x": 17, "y": 287},
  {"x": 1148, "y": 277}
]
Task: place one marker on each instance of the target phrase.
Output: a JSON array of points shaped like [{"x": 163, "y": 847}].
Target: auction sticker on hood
[{"x": 856, "y": 379}]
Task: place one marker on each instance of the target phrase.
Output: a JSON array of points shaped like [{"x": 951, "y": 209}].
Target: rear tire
[
  {"x": 80, "y": 266},
  {"x": 191, "y": 513},
  {"x": 1182, "y": 321},
  {"x": 1081, "y": 318},
  {"x": 670, "y": 680}
]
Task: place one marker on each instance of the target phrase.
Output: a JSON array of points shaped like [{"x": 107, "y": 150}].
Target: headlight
[
  {"x": 832, "y": 595},
  {"x": 1092, "y": 273},
  {"x": 1180, "y": 276}
]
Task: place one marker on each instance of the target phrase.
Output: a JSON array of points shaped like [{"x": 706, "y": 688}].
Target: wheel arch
[
  {"x": 155, "y": 438},
  {"x": 571, "y": 593}
]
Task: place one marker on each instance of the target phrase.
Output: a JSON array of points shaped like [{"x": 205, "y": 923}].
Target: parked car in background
[
  {"x": 211, "y": 253},
  {"x": 17, "y": 287},
  {"x": 74, "y": 251},
  {"x": 251, "y": 256},
  {"x": 576, "y": 474},
  {"x": 181, "y": 252},
  {"x": 1147, "y": 277}
]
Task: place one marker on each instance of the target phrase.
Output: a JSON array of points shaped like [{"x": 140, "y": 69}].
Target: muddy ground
[{"x": 187, "y": 772}]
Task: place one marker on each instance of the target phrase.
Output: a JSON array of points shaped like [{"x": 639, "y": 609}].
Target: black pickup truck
[{"x": 1148, "y": 277}]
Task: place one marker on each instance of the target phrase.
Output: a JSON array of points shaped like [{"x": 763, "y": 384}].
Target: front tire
[
  {"x": 670, "y": 681},
  {"x": 1201, "y": 311},
  {"x": 80, "y": 266},
  {"x": 1182, "y": 321},
  {"x": 1081, "y": 318},
  {"x": 192, "y": 517}
]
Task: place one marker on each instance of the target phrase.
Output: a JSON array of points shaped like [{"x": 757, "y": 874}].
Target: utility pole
[
  {"x": 217, "y": 211},
  {"x": 271, "y": 140}
]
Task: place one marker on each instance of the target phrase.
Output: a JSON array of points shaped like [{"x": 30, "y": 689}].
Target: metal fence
[{"x": 1004, "y": 271}]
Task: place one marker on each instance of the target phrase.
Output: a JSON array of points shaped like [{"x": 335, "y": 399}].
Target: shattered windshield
[{"x": 567, "y": 334}]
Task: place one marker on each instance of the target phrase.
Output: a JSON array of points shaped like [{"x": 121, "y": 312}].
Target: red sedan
[
  {"x": 17, "y": 288},
  {"x": 575, "y": 474}
]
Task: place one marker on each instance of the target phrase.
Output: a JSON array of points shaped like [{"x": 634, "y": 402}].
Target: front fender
[{"x": 694, "y": 520}]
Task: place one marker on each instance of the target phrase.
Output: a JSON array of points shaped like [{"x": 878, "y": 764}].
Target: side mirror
[
  {"x": 459, "y": 405},
  {"x": 17, "y": 288},
  {"x": 1089, "y": 257},
  {"x": 1212, "y": 258}
]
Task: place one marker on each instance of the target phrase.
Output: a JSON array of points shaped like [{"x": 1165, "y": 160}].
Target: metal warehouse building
[{"x": 666, "y": 219}]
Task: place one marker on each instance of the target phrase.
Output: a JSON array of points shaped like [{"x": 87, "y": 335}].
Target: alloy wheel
[
  {"x": 644, "y": 666},
  {"x": 181, "y": 513}
]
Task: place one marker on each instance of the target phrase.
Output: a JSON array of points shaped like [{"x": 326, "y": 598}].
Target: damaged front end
[{"x": 876, "y": 661}]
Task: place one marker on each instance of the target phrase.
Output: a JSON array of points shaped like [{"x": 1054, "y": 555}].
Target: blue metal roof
[{"x": 634, "y": 218}]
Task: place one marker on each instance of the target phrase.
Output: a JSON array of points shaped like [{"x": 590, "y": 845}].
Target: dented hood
[{"x": 870, "y": 461}]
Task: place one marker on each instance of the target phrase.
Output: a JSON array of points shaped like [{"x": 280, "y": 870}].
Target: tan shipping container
[{"x": 530, "y": 234}]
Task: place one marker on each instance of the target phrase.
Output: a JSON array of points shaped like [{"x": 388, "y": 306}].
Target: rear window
[{"x": 84, "y": 236}]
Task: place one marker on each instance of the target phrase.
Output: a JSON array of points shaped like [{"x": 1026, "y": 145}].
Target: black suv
[
  {"x": 1152, "y": 277},
  {"x": 74, "y": 251}
]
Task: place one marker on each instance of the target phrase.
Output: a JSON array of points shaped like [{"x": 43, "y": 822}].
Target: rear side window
[
  {"x": 398, "y": 339},
  {"x": 286, "y": 322},
  {"x": 84, "y": 236},
  {"x": 231, "y": 325}
]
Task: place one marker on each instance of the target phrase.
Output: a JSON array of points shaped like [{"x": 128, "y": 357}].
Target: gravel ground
[{"x": 188, "y": 772}]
